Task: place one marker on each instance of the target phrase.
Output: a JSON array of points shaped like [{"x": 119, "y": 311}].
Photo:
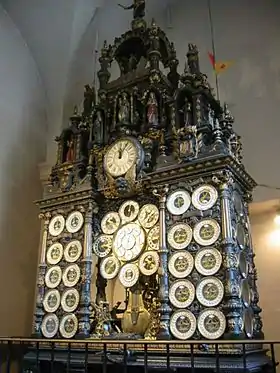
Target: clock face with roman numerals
[{"x": 120, "y": 157}]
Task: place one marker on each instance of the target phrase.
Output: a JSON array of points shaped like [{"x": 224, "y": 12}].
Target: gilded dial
[{"x": 120, "y": 157}]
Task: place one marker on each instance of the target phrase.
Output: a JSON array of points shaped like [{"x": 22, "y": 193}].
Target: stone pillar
[
  {"x": 233, "y": 308},
  {"x": 253, "y": 277},
  {"x": 42, "y": 268},
  {"x": 86, "y": 265},
  {"x": 164, "y": 310}
]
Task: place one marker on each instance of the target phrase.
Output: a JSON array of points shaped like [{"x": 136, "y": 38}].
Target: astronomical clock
[{"x": 149, "y": 185}]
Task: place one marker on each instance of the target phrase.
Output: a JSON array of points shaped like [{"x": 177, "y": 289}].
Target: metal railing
[{"x": 105, "y": 356}]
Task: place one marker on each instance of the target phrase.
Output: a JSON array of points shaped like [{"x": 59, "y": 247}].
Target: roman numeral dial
[{"x": 120, "y": 157}]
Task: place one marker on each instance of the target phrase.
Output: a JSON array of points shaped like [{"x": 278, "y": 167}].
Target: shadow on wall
[{"x": 19, "y": 238}]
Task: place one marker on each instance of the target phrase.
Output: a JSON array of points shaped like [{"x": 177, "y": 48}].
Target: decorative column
[
  {"x": 233, "y": 307},
  {"x": 253, "y": 277},
  {"x": 164, "y": 309},
  {"x": 86, "y": 263},
  {"x": 39, "y": 310}
]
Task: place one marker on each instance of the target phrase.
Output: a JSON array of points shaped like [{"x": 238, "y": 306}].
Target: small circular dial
[
  {"x": 129, "y": 211},
  {"x": 148, "y": 215},
  {"x": 153, "y": 238},
  {"x": 211, "y": 323},
  {"x": 50, "y": 325},
  {"x": 68, "y": 326},
  {"x": 70, "y": 300},
  {"x": 182, "y": 293},
  {"x": 206, "y": 232},
  {"x": 178, "y": 202},
  {"x": 102, "y": 245},
  {"x": 73, "y": 251},
  {"x": 208, "y": 261},
  {"x": 181, "y": 264},
  {"x": 204, "y": 197},
  {"x": 129, "y": 242},
  {"x": 54, "y": 253},
  {"x": 56, "y": 225},
  {"x": 51, "y": 300},
  {"x": 109, "y": 267},
  {"x": 110, "y": 223},
  {"x": 149, "y": 263},
  {"x": 129, "y": 275},
  {"x": 183, "y": 324},
  {"x": 53, "y": 277},
  {"x": 210, "y": 291},
  {"x": 74, "y": 222},
  {"x": 179, "y": 236},
  {"x": 120, "y": 157}
]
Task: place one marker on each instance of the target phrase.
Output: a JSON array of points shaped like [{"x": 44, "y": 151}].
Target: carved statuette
[
  {"x": 152, "y": 111},
  {"x": 123, "y": 109}
]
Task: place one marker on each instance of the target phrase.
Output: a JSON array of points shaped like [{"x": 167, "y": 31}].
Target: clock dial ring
[
  {"x": 178, "y": 202},
  {"x": 181, "y": 264},
  {"x": 204, "y": 197},
  {"x": 129, "y": 211},
  {"x": 149, "y": 263},
  {"x": 148, "y": 215},
  {"x": 206, "y": 232},
  {"x": 49, "y": 326},
  {"x": 110, "y": 223},
  {"x": 122, "y": 155},
  {"x": 128, "y": 242},
  {"x": 211, "y": 323},
  {"x": 182, "y": 324},
  {"x": 179, "y": 236},
  {"x": 109, "y": 267}
]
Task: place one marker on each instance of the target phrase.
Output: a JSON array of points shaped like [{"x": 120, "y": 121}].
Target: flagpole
[{"x": 213, "y": 47}]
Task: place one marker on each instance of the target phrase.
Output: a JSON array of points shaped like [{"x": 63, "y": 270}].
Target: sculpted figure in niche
[
  {"x": 124, "y": 109},
  {"x": 187, "y": 113},
  {"x": 70, "y": 155},
  {"x": 152, "y": 110},
  {"x": 98, "y": 128}
]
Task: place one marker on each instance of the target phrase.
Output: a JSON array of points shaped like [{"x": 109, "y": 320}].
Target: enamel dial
[
  {"x": 129, "y": 242},
  {"x": 120, "y": 157}
]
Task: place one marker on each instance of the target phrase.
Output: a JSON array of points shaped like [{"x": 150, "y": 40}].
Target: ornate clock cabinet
[{"x": 149, "y": 184}]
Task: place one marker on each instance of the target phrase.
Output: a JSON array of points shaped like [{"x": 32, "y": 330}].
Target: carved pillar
[
  {"x": 84, "y": 312},
  {"x": 253, "y": 277},
  {"x": 164, "y": 309},
  {"x": 39, "y": 310},
  {"x": 233, "y": 307}
]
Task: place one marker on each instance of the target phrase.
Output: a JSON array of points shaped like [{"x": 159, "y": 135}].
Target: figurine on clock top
[{"x": 169, "y": 198}]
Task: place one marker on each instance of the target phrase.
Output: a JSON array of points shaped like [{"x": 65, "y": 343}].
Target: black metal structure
[{"x": 37, "y": 355}]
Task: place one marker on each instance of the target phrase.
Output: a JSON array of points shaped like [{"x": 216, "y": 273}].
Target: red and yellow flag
[{"x": 219, "y": 66}]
